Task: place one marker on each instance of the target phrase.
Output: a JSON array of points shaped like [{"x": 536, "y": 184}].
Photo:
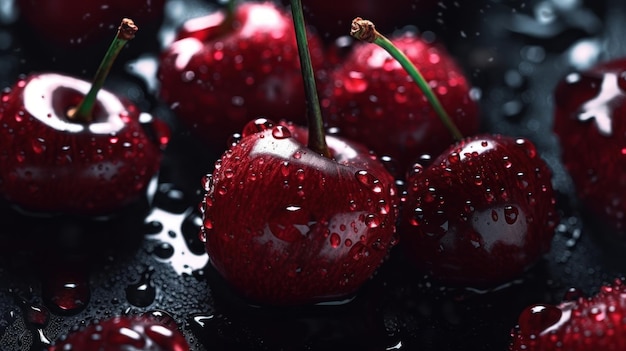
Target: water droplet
[
  {"x": 66, "y": 291},
  {"x": 372, "y": 221},
  {"x": 164, "y": 250},
  {"x": 494, "y": 215},
  {"x": 537, "y": 318},
  {"x": 38, "y": 145},
  {"x": 510, "y": 214},
  {"x": 573, "y": 294},
  {"x": 369, "y": 181},
  {"x": 356, "y": 82},
  {"x": 281, "y": 132},
  {"x": 153, "y": 227},
  {"x": 207, "y": 182},
  {"x": 143, "y": 292},
  {"x": 335, "y": 240},
  {"x": 187, "y": 76},
  {"x": 255, "y": 126},
  {"x": 289, "y": 224}
]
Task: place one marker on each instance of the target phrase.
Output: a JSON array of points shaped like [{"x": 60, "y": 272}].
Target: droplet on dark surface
[
  {"x": 66, "y": 289},
  {"x": 190, "y": 229},
  {"x": 153, "y": 227},
  {"x": 171, "y": 198},
  {"x": 164, "y": 250},
  {"x": 143, "y": 292}
]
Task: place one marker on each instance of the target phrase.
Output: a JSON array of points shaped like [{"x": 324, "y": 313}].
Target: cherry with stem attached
[
  {"x": 232, "y": 66},
  {"x": 68, "y": 146},
  {"x": 374, "y": 100},
  {"x": 320, "y": 211},
  {"x": 487, "y": 201}
]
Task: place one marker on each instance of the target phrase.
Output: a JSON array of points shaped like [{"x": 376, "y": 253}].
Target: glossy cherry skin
[
  {"x": 485, "y": 202},
  {"x": 219, "y": 74},
  {"x": 80, "y": 24},
  {"x": 154, "y": 331},
  {"x": 372, "y": 99},
  {"x": 287, "y": 226},
  {"x": 51, "y": 164},
  {"x": 579, "y": 324},
  {"x": 588, "y": 122}
]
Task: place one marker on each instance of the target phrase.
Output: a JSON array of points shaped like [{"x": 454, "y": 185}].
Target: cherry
[
  {"x": 66, "y": 146},
  {"x": 588, "y": 106},
  {"x": 486, "y": 201},
  {"x": 583, "y": 324},
  {"x": 320, "y": 211},
  {"x": 156, "y": 331},
  {"x": 372, "y": 99},
  {"x": 232, "y": 66},
  {"x": 316, "y": 228}
]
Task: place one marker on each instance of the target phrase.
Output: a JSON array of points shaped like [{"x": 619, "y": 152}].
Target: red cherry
[
  {"x": 481, "y": 214},
  {"x": 590, "y": 130},
  {"x": 315, "y": 228},
  {"x": 585, "y": 324},
  {"x": 77, "y": 23},
  {"x": 155, "y": 331},
  {"x": 224, "y": 70},
  {"x": 92, "y": 163},
  {"x": 373, "y": 100}
]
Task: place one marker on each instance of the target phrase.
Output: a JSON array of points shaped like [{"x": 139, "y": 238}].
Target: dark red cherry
[
  {"x": 590, "y": 130},
  {"x": 481, "y": 213},
  {"x": 315, "y": 229},
  {"x": 585, "y": 324},
  {"x": 225, "y": 69},
  {"x": 67, "y": 146},
  {"x": 156, "y": 331},
  {"x": 372, "y": 99}
]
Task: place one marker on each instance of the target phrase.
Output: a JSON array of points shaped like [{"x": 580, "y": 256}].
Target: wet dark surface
[{"x": 56, "y": 273}]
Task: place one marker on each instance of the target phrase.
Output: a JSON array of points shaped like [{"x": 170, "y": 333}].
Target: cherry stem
[
  {"x": 365, "y": 30},
  {"x": 315, "y": 123},
  {"x": 230, "y": 9},
  {"x": 84, "y": 111}
]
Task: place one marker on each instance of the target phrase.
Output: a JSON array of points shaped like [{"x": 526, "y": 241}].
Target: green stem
[
  {"x": 317, "y": 135},
  {"x": 231, "y": 9},
  {"x": 365, "y": 30},
  {"x": 84, "y": 111}
]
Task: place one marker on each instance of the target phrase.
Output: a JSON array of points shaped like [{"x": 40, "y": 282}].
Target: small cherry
[
  {"x": 371, "y": 99},
  {"x": 232, "y": 66},
  {"x": 483, "y": 211},
  {"x": 292, "y": 216},
  {"x": 68, "y": 146},
  {"x": 582, "y": 324},
  {"x": 590, "y": 130},
  {"x": 154, "y": 331}
]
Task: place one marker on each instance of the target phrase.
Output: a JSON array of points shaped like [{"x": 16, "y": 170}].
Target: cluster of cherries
[{"x": 399, "y": 162}]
